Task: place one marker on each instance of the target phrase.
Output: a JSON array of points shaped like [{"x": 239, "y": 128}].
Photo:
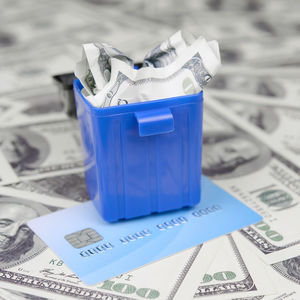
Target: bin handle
[{"x": 155, "y": 121}]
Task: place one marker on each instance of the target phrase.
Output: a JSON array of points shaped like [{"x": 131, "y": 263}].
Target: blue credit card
[{"x": 96, "y": 250}]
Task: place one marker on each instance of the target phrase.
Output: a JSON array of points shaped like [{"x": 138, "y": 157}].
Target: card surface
[{"x": 96, "y": 250}]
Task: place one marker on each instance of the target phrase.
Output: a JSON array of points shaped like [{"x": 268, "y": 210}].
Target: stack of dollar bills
[{"x": 179, "y": 66}]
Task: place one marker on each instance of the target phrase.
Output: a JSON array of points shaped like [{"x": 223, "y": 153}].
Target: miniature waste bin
[{"x": 141, "y": 158}]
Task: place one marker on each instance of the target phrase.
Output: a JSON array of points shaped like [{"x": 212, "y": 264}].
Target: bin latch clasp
[{"x": 155, "y": 121}]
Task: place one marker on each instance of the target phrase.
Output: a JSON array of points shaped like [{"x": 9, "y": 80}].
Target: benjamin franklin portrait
[
  {"x": 25, "y": 150},
  {"x": 18, "y": 243},
  {"x": 228, "y": 155}
]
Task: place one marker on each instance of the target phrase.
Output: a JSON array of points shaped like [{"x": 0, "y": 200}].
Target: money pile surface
[
  {"x": 250, "y": 146},
  {"x": 174, "y": 68}
]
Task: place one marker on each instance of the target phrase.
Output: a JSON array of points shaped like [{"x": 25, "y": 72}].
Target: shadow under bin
[{"x": 144, "y": 157}]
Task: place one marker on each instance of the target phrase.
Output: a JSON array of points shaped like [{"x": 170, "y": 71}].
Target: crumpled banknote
[{"x": 179, "y": 66}]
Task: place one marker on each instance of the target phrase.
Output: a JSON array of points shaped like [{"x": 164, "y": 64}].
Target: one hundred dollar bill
[
  {"x": 42, "y": 149},
  {"x": 234, "y": 273},
  {"x": 273, "y": 120},
  {"x": 284, "y": 274},
  {"x": 246, "y": 166}
]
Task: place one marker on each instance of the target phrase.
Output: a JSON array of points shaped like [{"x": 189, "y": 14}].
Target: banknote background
[{"x": 251, "y": 143}]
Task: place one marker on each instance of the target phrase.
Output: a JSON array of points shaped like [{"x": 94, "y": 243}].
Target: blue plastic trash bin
[{"x": 141, "y": 158}]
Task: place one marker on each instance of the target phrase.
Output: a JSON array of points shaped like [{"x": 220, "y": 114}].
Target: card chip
[{"x": 83, "y": 238}]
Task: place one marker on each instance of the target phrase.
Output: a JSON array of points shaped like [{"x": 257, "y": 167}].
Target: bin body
[{"x": 141, "y": 158}]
